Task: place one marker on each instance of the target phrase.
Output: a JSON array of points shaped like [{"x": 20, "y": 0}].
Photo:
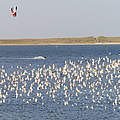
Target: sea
[{"x": 62, "y": 103}]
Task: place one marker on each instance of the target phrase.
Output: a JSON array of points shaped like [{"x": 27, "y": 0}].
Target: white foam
[
  {"x": 39, "y": 57},
  {"x": 34, "y": 58}
]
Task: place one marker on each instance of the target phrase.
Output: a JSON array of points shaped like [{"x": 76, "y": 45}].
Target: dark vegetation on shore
[{"x": 61, "y": 41}]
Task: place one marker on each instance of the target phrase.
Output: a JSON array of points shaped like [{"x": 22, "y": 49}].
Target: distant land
[{"x": 62, "y": 41}]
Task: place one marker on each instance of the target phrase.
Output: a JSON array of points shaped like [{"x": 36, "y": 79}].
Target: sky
[{"x": 59, "y": 18}]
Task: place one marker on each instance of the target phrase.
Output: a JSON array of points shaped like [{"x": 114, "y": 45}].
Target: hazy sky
[{"x": 60, "y": 18}]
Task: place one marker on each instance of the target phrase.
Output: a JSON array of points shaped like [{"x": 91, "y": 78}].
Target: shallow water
[{"x": 14, "y": 57}]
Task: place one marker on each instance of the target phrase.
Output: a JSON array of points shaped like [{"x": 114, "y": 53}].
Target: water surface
[{"x": 20, "y": 58}]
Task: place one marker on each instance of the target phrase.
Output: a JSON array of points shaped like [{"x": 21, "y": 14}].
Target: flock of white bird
[{"x": 90, "y": 82}]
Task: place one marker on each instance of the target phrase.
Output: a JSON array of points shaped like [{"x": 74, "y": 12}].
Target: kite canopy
[{"x": 14, "y": 11}]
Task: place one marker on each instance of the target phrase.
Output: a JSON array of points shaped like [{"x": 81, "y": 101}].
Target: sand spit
[
  {"x": 49, "y": 41},
  {"x": 62, "y": 41}
]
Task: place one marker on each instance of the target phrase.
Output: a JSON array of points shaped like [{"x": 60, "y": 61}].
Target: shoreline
[{"x": 61, "y": 44}]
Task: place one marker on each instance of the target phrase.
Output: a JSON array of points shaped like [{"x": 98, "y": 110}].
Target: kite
[{"x": 13, "y": 11}]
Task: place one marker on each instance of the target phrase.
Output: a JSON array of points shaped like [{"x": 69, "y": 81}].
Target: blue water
[
  {"x": 54, "y": 54},
  {"x": 13, "y": 56}
]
